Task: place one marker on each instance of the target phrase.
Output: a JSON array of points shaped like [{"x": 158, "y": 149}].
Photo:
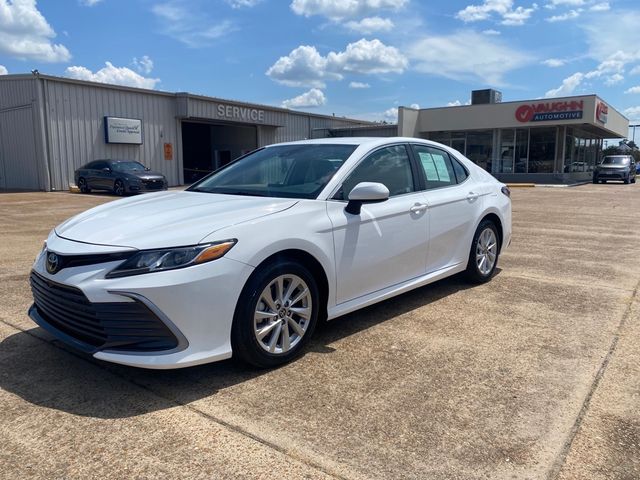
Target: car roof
[{"x": 360, "y": 141}]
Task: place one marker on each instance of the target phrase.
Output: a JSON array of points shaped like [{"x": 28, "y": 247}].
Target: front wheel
[
  {"x": 483, "y": 257},
  {"x": 118, "y": 188},
  {"x": 276, "y": 315}
]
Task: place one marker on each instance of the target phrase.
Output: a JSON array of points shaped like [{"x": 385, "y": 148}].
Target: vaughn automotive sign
[
  {"x": 550, "y": 111},
  {"x": 123, "y": 130}
]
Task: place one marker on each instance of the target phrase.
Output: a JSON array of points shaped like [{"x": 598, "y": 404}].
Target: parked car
[
  {"x": 615, "y": 167},
  {"x": 118, "y": 176},
  {"x": 637, "y": 168},
  {"x": 250, "y": 258}
]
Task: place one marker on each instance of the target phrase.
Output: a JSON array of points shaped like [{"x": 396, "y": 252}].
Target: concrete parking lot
[{"x": 531, "y": 376}]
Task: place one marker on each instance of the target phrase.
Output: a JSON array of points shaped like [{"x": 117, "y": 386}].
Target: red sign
[
  {"x": 168, "y": 151},
  {"x": 546, "y": 111},
  {"x": 602, "y": 110}
]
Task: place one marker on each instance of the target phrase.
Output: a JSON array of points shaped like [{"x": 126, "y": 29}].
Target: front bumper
[
  {"x": 195, "y": 304},
  {"x": 611, "y": 175},
  {"x": 146, "y": 186}
]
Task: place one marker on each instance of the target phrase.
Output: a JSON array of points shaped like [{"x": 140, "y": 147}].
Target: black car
[
  {"x": 616, "y": 167},
  {"x": 119, "y": 177}
]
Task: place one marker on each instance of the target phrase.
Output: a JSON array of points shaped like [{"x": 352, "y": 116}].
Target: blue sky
[{"x": 358, "y": 58}]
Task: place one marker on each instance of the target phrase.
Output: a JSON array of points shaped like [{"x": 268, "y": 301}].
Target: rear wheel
[
  {"x": 118, "y": 188},
  {"x": 276, "y": 315},
  {"x": 83, "y": 186},
  {"x": 483, "y": 257}
]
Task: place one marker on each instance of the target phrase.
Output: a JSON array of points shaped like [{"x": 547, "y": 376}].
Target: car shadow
[{"x": 62, "y": 379}]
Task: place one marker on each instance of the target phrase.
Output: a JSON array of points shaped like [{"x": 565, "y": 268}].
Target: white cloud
[
  {"x": 368, "y": 56},
  {"x": 111, "y": 74},
  {"x": 340, "y": 9},
  {"x": 565, "y": 3},
  {"x": 359, "y": 85},
  {"x": 518, "y": 16},
  {"x": 391, "y": 115},
  {"x": 554, "y": 62},
  {"x": 26, "y": 34},
  {"x": 571, "y": 14},
  {"x": 3, "y": 70},
  {"x": 195, "y": 30},
  {"x": 243, "y": 3},
  {"x": 311, "y": 99},
  {"x": 600, "y": 7},
  {"x": 143, "y": 65},
  {"x": 370, "y": 25},
  {"x": 633, "y": 90},
  {"x": 491, "y": 32},
  {"x": 568, "y": 86},
  {"x": 632, "y": 113},
  {"x": 485, "y": 59},
  {"x": 89, "y": 3},
  {"x": 304, "y": 66},
  {"x": 503, "y": 8},
  {"x": 635, "y": 70},
  {"x": 614, "y": 79},
  {"x": 455, "y": 103}
]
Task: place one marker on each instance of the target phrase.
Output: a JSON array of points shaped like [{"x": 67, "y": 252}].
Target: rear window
[{"x": 615, "y": 161}]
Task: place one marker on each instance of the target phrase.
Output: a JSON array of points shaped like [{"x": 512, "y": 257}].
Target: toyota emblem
[{"x": 53, "y": 262}]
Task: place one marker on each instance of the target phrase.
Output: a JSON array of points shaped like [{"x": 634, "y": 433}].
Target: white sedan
[{"x": 249, "y": 259}]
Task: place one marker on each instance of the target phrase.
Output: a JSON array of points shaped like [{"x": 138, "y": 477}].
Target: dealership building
[
  {"x": 555, "y": 140},
  {"x": 50, "y": 126}
]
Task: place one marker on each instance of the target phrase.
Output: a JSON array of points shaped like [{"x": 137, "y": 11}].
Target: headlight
[{"x": 148, "y": 261}]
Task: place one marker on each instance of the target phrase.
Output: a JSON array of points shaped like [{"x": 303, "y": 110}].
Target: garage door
[{"x": 18, "y": 159}]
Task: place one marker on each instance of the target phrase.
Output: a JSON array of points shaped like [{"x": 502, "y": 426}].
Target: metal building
[{"x": 49, "y": 126}]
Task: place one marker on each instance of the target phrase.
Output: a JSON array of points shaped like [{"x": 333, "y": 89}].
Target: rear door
[
  {"x": 385, "y": 244},
  {"x": 454, "y": 206}
]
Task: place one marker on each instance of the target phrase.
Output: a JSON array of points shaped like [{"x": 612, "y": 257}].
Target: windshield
[
  {"x": 128, "y": 167},
  {"x": 615, "y": 161},
  {"x": 290, "y": 171}
]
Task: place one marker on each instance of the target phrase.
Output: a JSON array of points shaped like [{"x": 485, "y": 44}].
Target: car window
[
  {"x": 390, "y": 166},
  {"x": 461, "y": 172},
  {"x": 437, "y": 167},
  {"x": 615, "y": 161},
  {"x": 99, "y": 165}
]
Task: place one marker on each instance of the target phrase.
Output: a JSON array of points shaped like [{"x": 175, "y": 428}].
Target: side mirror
[
  {"x": 106, "y": 170},
  {"x": 146, "y": 169},
  {"x": 366, "y": 192}
]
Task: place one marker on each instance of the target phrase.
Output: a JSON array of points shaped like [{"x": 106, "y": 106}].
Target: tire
[
  {"x": 270, "y": 350},
  {"x": 595, "y": 180},
  {"x": 83, "y": 186},
  {"x": 118, "y": 188},
  {"x": 626, "y": 181},
  {"x": 486, "y": 240},
  {"x": 633, "y": 180}
]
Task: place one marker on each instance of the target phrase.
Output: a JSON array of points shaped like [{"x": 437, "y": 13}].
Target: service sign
[
  {"x": 550, "y": 111},
  {"x": 240, "y": 114},
  {"x": 123, "y": 130}
]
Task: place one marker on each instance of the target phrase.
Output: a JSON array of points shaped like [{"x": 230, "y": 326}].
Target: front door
[{"x": 386, "y": 243}]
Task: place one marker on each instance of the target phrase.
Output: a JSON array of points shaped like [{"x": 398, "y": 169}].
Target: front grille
[
  {"x": 153, "y": 184},
  {"x": 126, "y": 326}
]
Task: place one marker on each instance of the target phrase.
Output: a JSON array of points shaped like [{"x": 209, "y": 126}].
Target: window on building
[
  {"x": 507, "y": 152},
  {"x": 542, "y": 150},
  {"x": 480, "y": 148},
  {"x": 522, "y": 150}
]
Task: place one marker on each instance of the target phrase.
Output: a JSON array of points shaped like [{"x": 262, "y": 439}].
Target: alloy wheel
[
  {"x": 283, "y": 314},
  {"x": 486, "y": 251}
]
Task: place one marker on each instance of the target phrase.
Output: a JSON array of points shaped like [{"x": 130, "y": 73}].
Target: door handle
[
  {"x": 418, "y": 208},
  {"x": 472, "y": 196}
]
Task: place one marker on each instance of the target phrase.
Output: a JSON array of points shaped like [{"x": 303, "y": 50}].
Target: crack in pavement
[
  {"x": 223, "y": 423},
  {"x": 561, "y": 458}
]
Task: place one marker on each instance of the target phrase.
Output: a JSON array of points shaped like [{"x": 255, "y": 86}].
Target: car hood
[
  {"x": 166, "y": 219},
  {"x": 146, "y": 175}
]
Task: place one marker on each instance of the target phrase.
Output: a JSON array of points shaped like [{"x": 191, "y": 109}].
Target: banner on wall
[{"x": 123, "y": 130}]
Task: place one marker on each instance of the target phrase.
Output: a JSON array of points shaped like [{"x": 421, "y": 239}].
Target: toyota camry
[{"x": 249, "y": 259}]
